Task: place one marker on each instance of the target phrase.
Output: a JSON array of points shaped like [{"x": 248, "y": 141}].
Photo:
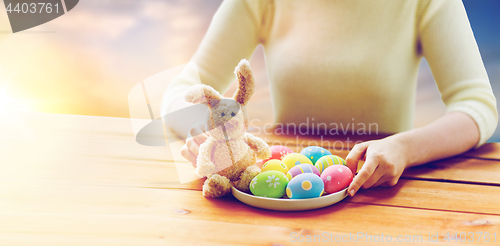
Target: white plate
[{"x": 289, "y": 204}]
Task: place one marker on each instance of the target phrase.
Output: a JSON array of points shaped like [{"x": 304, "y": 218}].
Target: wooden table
[{"x": 81, "y": 180}]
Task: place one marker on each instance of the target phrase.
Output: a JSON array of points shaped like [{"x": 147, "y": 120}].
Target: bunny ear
[
  {"x": 246, "y": 82},
  {"x": 202, "y": 94}
]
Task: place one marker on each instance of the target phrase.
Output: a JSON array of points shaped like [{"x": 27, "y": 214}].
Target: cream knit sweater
[{"x": 345, "y": 61}]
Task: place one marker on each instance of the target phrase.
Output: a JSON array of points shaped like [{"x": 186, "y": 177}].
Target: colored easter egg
[
  {"x": 278, "y": 152},
  {"x": 328, "y": 160},
  {"x": 294, "y": 159},
  {"x": 275, "y": 165},
  {"x": 336, "y": 178},
  {"x": 301, "y": 168},
  {"x": 269, "y": 184},
  {"x": 305, "y": 185},
  {"x": 315, "y": 152}
]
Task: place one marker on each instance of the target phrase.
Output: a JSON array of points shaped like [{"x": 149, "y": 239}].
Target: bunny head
[{"x": 227, "y": 118}]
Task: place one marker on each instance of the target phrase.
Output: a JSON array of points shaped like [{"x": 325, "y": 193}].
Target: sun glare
[
  {"x": 4, "y": 99},
  {"x": 8, "y": 103}
]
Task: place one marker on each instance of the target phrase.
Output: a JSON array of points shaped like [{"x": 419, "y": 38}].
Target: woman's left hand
[{"x": 385, "y": 161}]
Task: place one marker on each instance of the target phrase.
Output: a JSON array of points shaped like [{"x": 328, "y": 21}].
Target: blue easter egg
[
  {"x": 314, "y": 153},
  {"x": 305, "y": 185}
]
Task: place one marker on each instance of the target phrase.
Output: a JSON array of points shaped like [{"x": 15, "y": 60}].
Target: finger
[
  {"x": 193, "y": 146},
  {"x": 198, "y": 128},
  {"x": 259, "y": 163},
  {"x": 389, "y": 183},
  {"x": 198, "y": 135},
  {"x": 375, "y": 179},
  {"x": 188, "y": 155},
  {"x": 364, "y": 174},
  {"x": 381, "y": 182},
  {"x": 356, "y": 154},
  {"x": 201, "y": 138}
]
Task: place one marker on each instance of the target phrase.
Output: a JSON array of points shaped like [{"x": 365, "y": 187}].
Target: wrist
[{"x": 409, "y": 153}]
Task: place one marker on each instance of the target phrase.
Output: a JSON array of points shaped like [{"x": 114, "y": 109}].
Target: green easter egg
[{"x": 269, "y": 184}]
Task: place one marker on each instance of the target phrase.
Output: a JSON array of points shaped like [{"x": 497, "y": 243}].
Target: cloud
[
  {"x": 179, "y": 27},
  {"x": 96, "y": 53},
  {"x": 176, "y": 16},
  {"x": 59, "y": 78},
  {"x": 91, "y": 24}
]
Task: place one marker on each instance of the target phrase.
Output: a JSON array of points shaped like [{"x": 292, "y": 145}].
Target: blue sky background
[
  {"x": 485, "y": 22},
  {"x": 86, "y": 62}
]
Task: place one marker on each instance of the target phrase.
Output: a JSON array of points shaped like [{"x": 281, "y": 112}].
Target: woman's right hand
[{"x": 195, "y": 138}]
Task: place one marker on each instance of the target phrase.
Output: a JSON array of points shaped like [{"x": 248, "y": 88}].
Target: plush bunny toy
[{"x": 229, "y": 153}]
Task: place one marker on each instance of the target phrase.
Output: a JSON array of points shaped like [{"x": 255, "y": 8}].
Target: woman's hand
[
  {"x": 385, "y": 161},
  {"x": 195, "y": 138}
]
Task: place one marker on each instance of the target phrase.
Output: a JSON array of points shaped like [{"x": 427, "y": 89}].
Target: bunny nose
[{"x": 231, "y": 123}]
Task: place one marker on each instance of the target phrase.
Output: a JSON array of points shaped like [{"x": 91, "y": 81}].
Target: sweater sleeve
[
  {"x": 448, "y": 44},
  {"x": 233, "y": 34}
]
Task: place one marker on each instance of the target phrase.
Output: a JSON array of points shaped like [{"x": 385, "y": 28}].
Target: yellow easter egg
[
  {"x": 276, "y": 165},
  {"x": 329, "y": 160},
  {"x": 294, "y": 159}
]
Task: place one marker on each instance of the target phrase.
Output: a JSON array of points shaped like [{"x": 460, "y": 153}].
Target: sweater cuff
[{"x": 485, "y": 119}]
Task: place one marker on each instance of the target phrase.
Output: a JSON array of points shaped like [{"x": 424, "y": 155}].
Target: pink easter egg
[
  {"x": 336, "y": 178},
  {"x": 278, "y": 152}
]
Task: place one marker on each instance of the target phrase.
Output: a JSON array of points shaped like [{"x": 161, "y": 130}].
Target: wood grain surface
[{"x": 80, "y": 180}]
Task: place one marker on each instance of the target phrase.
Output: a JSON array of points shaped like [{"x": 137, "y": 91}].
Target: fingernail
[{"x": 351, "y": 192}]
